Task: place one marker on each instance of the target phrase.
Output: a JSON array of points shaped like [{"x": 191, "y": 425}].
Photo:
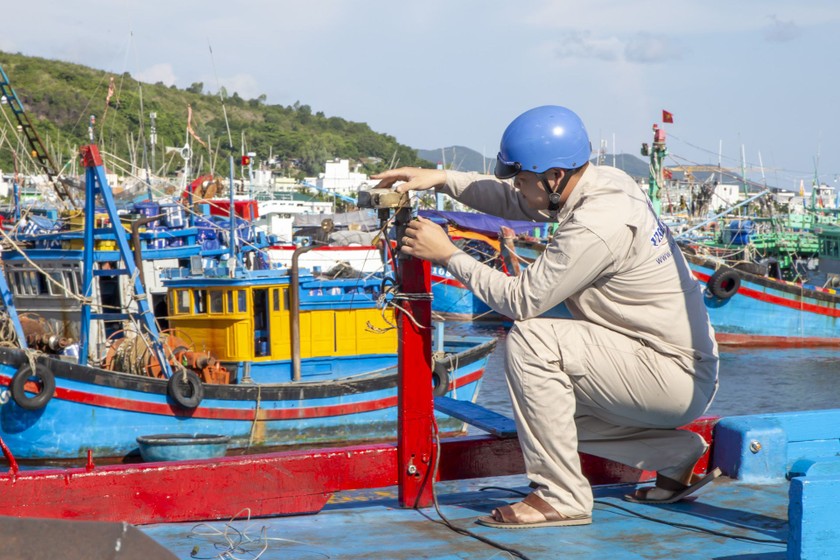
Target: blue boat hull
[
  {"x": 769, "y": 311},
  {"x": 104, "y": 411}
]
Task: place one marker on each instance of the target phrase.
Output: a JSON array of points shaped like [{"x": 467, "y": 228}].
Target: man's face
[{"x": 529, "y": 185}]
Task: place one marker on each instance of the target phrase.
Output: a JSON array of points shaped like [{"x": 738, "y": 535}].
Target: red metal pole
[{"x": 415, "y": 446}]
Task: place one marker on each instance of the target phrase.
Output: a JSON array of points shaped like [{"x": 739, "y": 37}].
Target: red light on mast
[{"x": 246, "y": 160}]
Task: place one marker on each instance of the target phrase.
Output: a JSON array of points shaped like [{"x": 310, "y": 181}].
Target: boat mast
[
  {"x": 656, "y": 180},
  {"x": 96, "y": 183}
]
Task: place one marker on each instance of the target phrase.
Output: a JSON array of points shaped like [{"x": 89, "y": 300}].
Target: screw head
[{"x": 755, "y": 446}]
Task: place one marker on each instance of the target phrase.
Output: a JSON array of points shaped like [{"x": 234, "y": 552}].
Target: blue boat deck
[{"x": 726, "y": 520}]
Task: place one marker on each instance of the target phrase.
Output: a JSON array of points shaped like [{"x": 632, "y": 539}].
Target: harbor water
[{"x": 752, "y": 381}]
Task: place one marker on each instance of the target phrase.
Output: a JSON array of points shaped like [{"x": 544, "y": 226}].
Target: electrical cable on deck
[
  {"x": 237, "y": 541},
  {"x": 444, "y": 520}
]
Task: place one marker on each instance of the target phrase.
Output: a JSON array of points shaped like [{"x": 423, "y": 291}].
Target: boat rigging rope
[{"x": 256, "y": 416}]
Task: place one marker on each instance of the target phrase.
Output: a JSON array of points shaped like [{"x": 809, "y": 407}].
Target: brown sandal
[
  {"x": 505, "y": 517},
  {"x": 679, "y": 490}
]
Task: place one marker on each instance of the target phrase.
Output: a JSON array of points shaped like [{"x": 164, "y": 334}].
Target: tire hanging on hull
[
  {"x": 41, "y": 375},
  {"x": 724, "y": 283}
]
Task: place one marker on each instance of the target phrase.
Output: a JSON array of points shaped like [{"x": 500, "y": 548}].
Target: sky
[{"x": 752, "y": 83}]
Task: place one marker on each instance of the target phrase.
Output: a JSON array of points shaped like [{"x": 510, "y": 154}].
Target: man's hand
[
  {"x": 416, "y": 178},
  {"x": 426, "y": 240}
]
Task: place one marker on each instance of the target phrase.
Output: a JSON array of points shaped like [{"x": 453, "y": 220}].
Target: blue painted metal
[
  {"x": 753, "y": 516},
  {"x": 96, "y": 184},
  {"x": 368, "y": 524},
  {"x": 478, "y": 416},
  {"x": 751, "y": 449},
  {"x": 766, "y": 448},
  {"x": 9, "y": 306},
  {"x": 814, "y": 527}
]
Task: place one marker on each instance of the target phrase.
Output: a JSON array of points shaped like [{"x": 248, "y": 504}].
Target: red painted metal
[
  {"x": 90, "y": 156},
  {"x": 760, "y": 341},
  {"x": 281, "y": 483},
  {"x": 415, "y": 414}
]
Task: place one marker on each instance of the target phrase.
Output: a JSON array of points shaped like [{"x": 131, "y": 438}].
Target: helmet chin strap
[{"x": 554, "y": 196}]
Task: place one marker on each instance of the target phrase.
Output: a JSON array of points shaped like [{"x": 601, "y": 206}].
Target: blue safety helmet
[{"x": 541, "y": 139}]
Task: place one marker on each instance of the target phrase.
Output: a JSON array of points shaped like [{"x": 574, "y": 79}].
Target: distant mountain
[{"x": 461, "y": 158}]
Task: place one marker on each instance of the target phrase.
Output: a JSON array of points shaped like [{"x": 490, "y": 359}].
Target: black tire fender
[
  {"x": 724, "y": 283},
  {"x": 441, "y": 379},
  {"x": 186, "y": 390},
  {"x": 43, "y": 375}
]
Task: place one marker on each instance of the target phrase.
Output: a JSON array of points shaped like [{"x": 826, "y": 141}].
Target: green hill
[{"x": 60, "y": 97}]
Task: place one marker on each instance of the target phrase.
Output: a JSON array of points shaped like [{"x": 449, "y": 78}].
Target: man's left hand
[{"x": 426, "y": 240}]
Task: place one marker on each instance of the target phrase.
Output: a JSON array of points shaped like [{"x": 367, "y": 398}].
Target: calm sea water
[{"x": 752, "y": 381}]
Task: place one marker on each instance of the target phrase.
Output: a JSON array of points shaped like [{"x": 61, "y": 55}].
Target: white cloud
[
  {"x": 245, "y": 85},
  {"x": 649, "y": 48},
  {"x": 642, "y": 48},
  {"x": 781, "y": 31},
  {"x": 158, "y": 73},
  {"x": 581, "y": 44}
]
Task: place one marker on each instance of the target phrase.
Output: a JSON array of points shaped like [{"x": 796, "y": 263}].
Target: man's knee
[{"x": 533, "y": 339}]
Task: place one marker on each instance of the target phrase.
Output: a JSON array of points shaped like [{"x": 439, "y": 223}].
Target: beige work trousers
[{"x": 577, "y": 386}]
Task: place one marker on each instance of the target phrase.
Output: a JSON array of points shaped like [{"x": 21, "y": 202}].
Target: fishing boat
[
  {"x": 267, "y": 358},
  {"x": 749, "y": 302},
  {"x": 752, "y": 309}
]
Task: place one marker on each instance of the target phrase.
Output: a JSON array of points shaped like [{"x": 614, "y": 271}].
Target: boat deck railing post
[{"x": 415, "y": 416}]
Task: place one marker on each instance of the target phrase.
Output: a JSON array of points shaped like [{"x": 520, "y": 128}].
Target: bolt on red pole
[{"x": 415, "y": 444}]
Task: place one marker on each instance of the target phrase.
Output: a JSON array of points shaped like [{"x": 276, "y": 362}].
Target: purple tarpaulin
[{"x": 481, "y": 223}]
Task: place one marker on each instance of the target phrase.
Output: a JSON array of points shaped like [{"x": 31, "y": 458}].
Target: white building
[
  {"x": 338, "y": 177},
  {"x": 725, "y": 195},
  {"x": 277, "y": 215}
]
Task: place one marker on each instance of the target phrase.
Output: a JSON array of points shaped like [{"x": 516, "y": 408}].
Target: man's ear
[{"x": 556, "y": 177}]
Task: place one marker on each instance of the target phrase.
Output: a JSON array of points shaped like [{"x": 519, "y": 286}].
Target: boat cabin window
[
  {"x": 56, "y": 283},
  {"x": 30, "y": 283},
  {"x": 216, "y": 304},
  {"x": 182, "y": 301},
  {"x": 200, "y": 301},
  {"x": 230, "y": 301},
  {"x": 242, "y": 296},
  {"x": 275, "y": 294}
]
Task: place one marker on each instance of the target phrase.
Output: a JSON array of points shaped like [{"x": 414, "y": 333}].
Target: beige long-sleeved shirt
[{"x": 611, "y": 260}]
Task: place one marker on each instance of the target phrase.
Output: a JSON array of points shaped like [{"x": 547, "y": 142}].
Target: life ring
[
  {"x": 724, "y": 283},
  {"x": 187, "y": 392},
  {"x": 441, "y": 379},
  {"x": 41, "y": 375}
]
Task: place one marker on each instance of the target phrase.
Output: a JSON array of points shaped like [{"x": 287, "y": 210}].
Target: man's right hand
[{"x": 416, "y": 178}]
